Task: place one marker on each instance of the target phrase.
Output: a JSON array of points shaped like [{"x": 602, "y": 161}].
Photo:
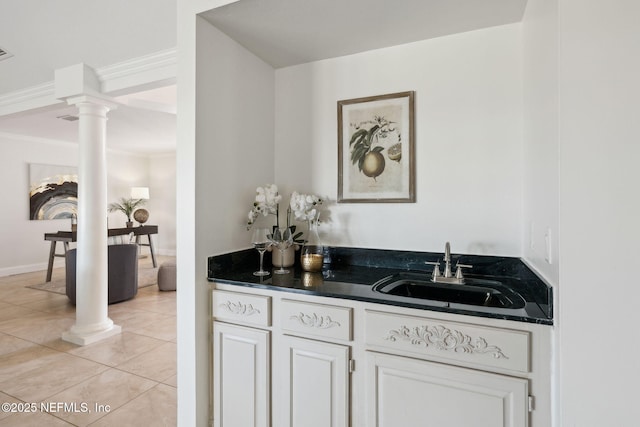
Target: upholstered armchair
[{"x": 123, "y": 273}]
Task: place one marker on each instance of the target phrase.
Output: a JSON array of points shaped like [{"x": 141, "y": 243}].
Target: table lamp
[{"x": 140, "y": 193}]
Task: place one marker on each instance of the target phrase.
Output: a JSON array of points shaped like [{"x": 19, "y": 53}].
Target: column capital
[
  {"x": 80, "y": 83},
  {"x": 96, "y": 99},
  {"x": 76, "y": 80}
]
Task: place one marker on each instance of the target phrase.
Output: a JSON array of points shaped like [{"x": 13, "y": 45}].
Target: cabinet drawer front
[
  {"x": 317, "y": 320},
  {"x": 241, "y": 308},
  {"x": 450, "y": 342}
]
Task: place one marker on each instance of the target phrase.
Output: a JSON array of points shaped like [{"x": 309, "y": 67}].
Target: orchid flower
[
  {"x": 304, "y": 206},
  {"x": 266, "y": 203}
]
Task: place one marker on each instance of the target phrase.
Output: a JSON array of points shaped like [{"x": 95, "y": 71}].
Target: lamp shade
[{"x": 140, "y": 193}]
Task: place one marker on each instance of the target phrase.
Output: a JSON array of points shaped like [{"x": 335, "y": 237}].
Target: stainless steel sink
[{"x": 476, "y": 292}]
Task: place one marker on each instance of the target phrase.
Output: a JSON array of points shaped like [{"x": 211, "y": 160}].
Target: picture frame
[
  {"x": 53, "y": 191},
  {"x": 376, "y": 149}
]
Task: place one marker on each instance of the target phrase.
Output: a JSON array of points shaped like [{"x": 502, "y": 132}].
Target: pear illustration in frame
[{"x": 376, "y": 161}]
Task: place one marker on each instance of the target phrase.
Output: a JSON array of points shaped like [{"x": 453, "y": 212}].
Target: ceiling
[
  {"x": 45, "y": 35},
  {"x": 144, "y": 123},
  {"x": 290, "y": 32},
  {"x": 281, "y": 32}
]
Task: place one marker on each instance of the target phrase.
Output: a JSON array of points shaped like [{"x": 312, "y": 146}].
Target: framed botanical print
[{"x": 376, "y": 160}]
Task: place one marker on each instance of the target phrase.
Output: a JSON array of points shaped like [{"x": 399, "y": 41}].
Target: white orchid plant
[
  {"x": 304, "y": 207},
  {"x": 266, "y": 203}
]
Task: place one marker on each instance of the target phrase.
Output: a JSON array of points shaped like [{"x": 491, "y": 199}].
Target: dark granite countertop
[{"x": 349, "y": 273}]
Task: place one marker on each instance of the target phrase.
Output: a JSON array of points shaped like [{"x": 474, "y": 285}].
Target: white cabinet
[
  {"x": 413, "y": 393},
  {"x": 287, "y": 360},
  {"x": 241, "y": 376},
  {"x": 404, "y": 390},
  {"x": 315, "y": 383}
]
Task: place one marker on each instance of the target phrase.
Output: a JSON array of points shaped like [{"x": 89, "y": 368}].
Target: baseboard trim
[
  {"x": 166, "y": 252},
  {"x": 20, "y": 269},
  {"x": 30, "y": 268}
]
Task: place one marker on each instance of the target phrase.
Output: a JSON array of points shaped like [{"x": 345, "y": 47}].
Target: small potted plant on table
[{"x": 127, "y": 207}]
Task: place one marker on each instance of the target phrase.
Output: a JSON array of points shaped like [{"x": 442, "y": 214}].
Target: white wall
[
  {"x": 599, "y": 176},
  {"x": 158, "y": 172},
  {"x": 124, "y": 171},
  {"x": 162, "y": 201},
  {"x": 468, "y": 141},
  {"x": 193, "y": 378},
  {"x": 540, "y": 131},
  {"x": 540, "y": 155},
  {"x": 231, "y": 146},
  {"x": 235, "y": 150},
  {"x": 23, "y": 247}
]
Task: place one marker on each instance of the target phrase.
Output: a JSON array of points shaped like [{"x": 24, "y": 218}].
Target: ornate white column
[{"x": 92, "y": 321}]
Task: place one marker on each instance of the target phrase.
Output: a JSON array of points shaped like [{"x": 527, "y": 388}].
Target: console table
[{"x": 70, "y": 236}]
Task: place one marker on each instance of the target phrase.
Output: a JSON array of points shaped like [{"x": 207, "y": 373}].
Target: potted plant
[
  {"x": 304, "y": 208},
  {"x": 127, "y": 207}
]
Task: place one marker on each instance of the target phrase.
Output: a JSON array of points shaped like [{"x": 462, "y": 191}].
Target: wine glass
[
  {"x": 281, "y": 238},
  {"x": 261, "y": 241}
]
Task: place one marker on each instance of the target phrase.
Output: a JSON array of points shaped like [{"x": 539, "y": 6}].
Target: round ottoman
[{"x": 167, "y": 276}]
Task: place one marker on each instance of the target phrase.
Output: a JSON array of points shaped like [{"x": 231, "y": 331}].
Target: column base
[{"x": 89, "y": 337}]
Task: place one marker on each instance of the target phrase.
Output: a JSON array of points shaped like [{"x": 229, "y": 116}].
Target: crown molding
[
  {"x": 144, "y": 72},
  {"x": 31, "y": 98},
  {"x": 147, "y": 70},
  {"x": 38, "y": 91},
  {"x": 143, "y": 64}
]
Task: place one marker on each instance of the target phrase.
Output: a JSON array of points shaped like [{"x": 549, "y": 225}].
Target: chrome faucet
[
  {"x": 447, "y": 276},
  {"x": 447, "y": 260}
]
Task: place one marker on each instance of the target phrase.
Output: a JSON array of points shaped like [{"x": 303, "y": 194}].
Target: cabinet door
[
  {"x": 413, "y": 393},
  {"x": 315, "y": 387},
  {"x": 241, "y": 376}
]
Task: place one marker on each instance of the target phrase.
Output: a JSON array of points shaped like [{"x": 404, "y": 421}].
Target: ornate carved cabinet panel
[
  {"x": 241, "y": 376},
  {"x": 316, "y": 320},
  {"x": 449, "y": 342},
  {"x": 414, "y": 393},
  {"x": 239, "y": 307},
  {"x": 315, "y": 384}
]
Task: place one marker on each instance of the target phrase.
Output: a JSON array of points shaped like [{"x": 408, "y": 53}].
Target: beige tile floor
[{"x": 126, "y": 380}]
